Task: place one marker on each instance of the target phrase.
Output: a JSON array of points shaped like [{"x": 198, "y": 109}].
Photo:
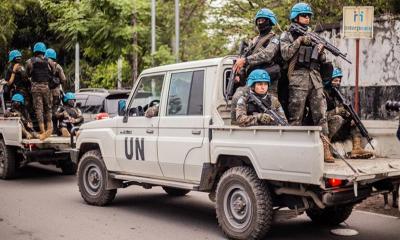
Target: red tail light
[
  {"x": 101, "y": 116},
  {"x": 333, "y": 182}
]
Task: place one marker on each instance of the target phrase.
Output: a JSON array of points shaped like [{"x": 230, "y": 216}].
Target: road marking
[{"x": 377, "y": 214}]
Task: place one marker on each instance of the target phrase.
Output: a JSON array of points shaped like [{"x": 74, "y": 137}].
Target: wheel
[
  {"x": 243, "y": 204},
  {"x": 176, "y": 192},
  {"x": 8, "y": 164},
  {"x": 68, "y": 167},
  {"x": 92, "y": 179},
  {"x": 330, "y": 215}
]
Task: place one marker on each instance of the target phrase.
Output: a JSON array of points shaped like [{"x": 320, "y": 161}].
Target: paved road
[{"x": 44, "y": 205}]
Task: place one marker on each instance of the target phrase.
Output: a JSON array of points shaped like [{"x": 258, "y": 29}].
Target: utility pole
[
  {"x": 177, "y": 30},
  {"x": 77, "y": 58},
  {"x": 153, "y": 26},
  {"x": 134, "y": 43},
  {"x": 119, "y": 74}
]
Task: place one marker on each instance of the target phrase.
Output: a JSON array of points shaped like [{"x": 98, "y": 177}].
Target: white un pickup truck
[
  {"x": 17, "y": 152},
  {"x": 254, "y": 174}
]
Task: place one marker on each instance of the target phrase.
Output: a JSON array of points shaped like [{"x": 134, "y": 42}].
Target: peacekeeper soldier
[
  {"x": 68, "y": 115},
  {"x": 340, "y": 123},
  {"x": 17, "y": 79},
  {"x": 39, "y": 71},
  {"x": 263, "y": 50},
  {"x": 248, "y": 113},
  {"x": 152, "y": 111},
  {"x": 305, "y": 82},
  {"x": 58, "y": 79},
  {"x": 18, "y": 110}
]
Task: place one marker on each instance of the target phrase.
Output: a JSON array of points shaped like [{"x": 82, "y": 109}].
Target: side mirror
[{"x": 121, "y": 107}]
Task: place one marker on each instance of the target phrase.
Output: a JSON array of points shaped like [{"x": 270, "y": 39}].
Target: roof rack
[{"x": 102, "y": 90}]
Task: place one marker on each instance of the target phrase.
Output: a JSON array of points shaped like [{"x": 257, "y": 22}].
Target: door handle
[
  {"x": 149, "y": 131},
  {"x": 196, "y": 132}
]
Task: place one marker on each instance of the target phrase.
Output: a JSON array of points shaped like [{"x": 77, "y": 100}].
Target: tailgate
[{"x": 363, "y": 169}]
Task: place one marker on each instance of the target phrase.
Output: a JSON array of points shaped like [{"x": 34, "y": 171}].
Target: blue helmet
[
  {"x": 18, "y": 98},
  {"x": 337, "y": 73},
  {"x": 266, "y": 13},
  {"x": 39, "y": 47},
  {"x": 258, "y": 75},
  {"x": 300, "y": 8},
  {"x": 69, "y": 96},
  {"x": 13, "y": 55},
  {"x": 50, "y": 53}
]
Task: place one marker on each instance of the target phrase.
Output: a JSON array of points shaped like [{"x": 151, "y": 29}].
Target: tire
[
  {"x": 176, "y": 192},
  {"x": 8, "y": 161},
  {"x": 92, "y": 175},
  {"x": 239, "y": 187},
  {"x": 68, "y": 167},
  {"x": 331, "y": 215}
]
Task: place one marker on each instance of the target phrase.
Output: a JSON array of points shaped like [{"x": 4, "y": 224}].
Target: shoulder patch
[
  {"x": 241, "y": 101},
  {"x": 275, "y": 40}
]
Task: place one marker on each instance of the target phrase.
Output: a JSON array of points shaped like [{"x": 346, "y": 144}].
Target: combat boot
[
  {"x": 42, "y": 135},
  {"x": 49, "y": 129},
  {"x": 358, "y": 151},
  {"x": 64, "y": 132},
  {"x": 327, "y": 151}
]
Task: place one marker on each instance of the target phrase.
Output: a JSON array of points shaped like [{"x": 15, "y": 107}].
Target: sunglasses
[{"x": 305, "y": 15}]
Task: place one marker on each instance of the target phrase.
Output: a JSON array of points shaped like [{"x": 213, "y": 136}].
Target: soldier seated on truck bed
[
  {"x": 249, "y": 111},
  {"x": 340, "y": 123},
  {"x": 18, "y": 109},
  {"x": 68, "y": 115}
]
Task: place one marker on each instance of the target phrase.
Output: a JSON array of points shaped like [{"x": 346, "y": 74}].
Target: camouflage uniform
[
  {"x": 40, "y": 90},
  {"x": 265, "y": 57},
  {"x": 26, "y": 122},
  {"x": 152, "y": 111},
  {"x": 305, "y": 84},
  {"x": 68, "y": 117},
  {"x": 58, "y": 73},
  {"x": 339, "y": 121},
  {"x": 240, "y": 91},
  {"x": 20, "y": 84},
  {"x": 248, "y": 113}
]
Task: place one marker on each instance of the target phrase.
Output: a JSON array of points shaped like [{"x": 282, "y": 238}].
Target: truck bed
[{"x": 363, "y": 169}]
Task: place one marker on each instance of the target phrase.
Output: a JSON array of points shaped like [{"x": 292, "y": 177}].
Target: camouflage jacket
[
  {"x": 299, "y": 78},
  {"x": 71, "y": 114},
  {"x": 247, "y": 112},
  {"x": 332, "y": 103},
  {"x": 58, "y": 71},
  {"x": 266, "y": 54}
]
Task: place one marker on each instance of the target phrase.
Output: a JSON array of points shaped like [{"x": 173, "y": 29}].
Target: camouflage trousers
[
  {"x": 315, "y": 100},
  {"x": 42, "y": 102},
  {"x": 341, "y": 129},
  {"x": 55, "y": 99}
]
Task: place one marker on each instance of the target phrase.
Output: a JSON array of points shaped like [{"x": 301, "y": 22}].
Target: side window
[
  {"x": 147, "y": 94},
  {"x": 186, "y": 94}
]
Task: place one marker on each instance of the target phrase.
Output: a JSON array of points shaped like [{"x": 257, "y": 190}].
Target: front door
[{"x": 136, "y": 145}]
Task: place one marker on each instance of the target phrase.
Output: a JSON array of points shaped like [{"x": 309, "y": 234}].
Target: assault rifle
[
  {"x": 278, "y": 119},
  {"x": 316, "y": 39},
  {"x": 243, "y": 52},
  {"x": 349, "y": 107}
]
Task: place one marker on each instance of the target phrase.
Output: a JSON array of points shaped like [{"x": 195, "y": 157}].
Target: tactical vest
[
  {"x": 72, "y": 112},
  {"x": 304, "y": 58},
  {"x": 330, "y": 100},
  {"x": 253, "y": 108},
  {"x": 41, "y": 71}
]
